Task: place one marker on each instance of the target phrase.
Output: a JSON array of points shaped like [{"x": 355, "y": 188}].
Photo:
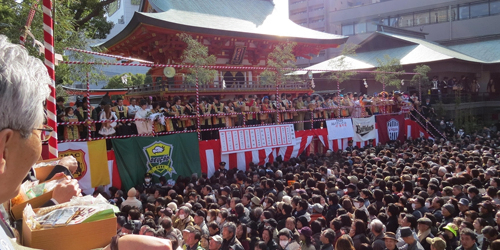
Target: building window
[
  {"x": 371, "y": 26},
  {"x": 393, "y": 21},
  {"x": 421, "y": 18},
  {"x": 406, "y": 20},
  {"x": 454, "y": 14},
  {"x": 439, "y": 15},
  {"x": 463, "y": 12},
  {"x": 479, "y": 10},
  {"x": 348, "y": 29},
  {"x": 495, "y": 8},
  {"x": 360, "y": 28}
]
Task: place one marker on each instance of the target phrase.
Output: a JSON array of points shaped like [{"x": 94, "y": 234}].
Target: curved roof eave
[{"x": 145, "y": 18}]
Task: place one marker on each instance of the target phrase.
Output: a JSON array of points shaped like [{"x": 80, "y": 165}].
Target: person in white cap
[{"x": 132, "y": 200}]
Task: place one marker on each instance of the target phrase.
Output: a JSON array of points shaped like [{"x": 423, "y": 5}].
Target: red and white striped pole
[
  {"x": 48, "y": 37},
  {"x": 89, "y": 110},
  {"x": 31, "y": 15}
]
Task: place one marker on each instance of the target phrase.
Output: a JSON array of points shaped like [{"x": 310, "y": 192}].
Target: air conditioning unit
[{"x": 121, "y": 20}]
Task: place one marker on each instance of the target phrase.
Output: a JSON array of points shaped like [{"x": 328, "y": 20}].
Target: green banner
[{"x": 169, "y": 156}]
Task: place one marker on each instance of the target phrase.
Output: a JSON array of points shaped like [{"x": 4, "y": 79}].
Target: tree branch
[{"x": 95, "y": 12}]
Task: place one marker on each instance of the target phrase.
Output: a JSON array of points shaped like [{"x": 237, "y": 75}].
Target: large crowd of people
[{"x": 419, "y": 194}]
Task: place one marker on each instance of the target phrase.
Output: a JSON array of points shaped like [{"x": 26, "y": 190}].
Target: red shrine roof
[{"x": 241, "y": 19}]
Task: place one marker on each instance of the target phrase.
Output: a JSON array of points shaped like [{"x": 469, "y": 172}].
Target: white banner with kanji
[
  {"x": 254, "y": 138},
  {"x": 339, "y": 129}
]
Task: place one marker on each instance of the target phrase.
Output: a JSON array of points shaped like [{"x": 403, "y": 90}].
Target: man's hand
[
  {"x": 65, "y": 190},
  {"x": 70, "y": 163}
]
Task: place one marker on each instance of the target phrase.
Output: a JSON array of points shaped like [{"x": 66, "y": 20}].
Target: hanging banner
[
  {"x": 364, "y": 128},
  {"x": 391, "y": 128},
  {"x": 210, "y": 153},
  {"x": 339, "y": 128},
  {"x": 92, "y": 158},
  {"x": 168, "y": 156},
  {"x": 249, "y": 139}
]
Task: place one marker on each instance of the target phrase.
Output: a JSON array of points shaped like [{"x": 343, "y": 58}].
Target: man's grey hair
[
  {"x": 377, "y": 226},
  {"x": 185, "y": 209},
  {"x": 230, "y": 226},
  {"x": 23, "y": 88}
]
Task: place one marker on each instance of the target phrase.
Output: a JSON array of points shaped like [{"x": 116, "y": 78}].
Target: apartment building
[{"x": 442, "y": 20}]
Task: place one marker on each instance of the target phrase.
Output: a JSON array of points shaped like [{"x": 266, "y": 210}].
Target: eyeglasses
[{"x": 45, "y": 133}]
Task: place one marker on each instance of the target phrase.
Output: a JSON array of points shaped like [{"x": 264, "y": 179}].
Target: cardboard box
[
  {"x": 82, "y": 236},
  {"x": 17, "y": 210},
  {"x": 43, "y": 172}
]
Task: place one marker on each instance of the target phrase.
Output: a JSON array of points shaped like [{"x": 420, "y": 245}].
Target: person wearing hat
[
  {"x": 222, "y": 168},
  {"x": 424, "y": 231},
  {"x": 436, "y": 243},
  {"x": 487, "y": 211},
  {"x": 448, "y": 211},
  {"x": 255, "y": 202},
  {"x": 286, "y": 241},
  {"x": 192, "y": 237},
  {"x": 463, "y": 206},
  {"x": 148, "y": 181},
  {"x": 199, "y": 220},
  {"x": 450, "y": 234},
  {"x": 390, "y": 241},
  {"x": 305, "y": 239},
  {"x": 215, "y": 242},
  {"x": 317, "y": 212},
  {"x": 407, "y": 236},
  {"x": 132, "y": 200},
  {"x": 351, "y": 190}
]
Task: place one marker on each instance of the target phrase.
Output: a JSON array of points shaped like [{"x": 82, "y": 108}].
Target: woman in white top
[
  {"x": 107, "y": 128},
  {"x": 146, "y": 126}
]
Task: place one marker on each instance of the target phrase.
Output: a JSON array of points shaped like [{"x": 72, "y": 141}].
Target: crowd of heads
[{"x": 437, "y": 195}]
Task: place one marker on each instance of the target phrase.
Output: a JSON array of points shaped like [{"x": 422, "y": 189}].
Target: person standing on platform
[
  {"x": 82, "y": 113},
  {"x": 239, "y": 107},
  {"x": 71, "y": 132},
  {"x": 145, "y": 126},
  {"x": 300, "y": 114},
  {"x": 217, "y": 121},
  {"x": 205, "y": 121},
  {"x": 230, "y": 118},
  {"x": 178, "y": 109},
  {"x": 190, "y": 110},
  {"x": 132, "y": 109},
  {"x": 121, "y": 111},
  {"x": 168, "y": 113},
  {"x": 251, "y": 104},
  {"x": 307, "y": 114},
  {"x": 266, "y": 106}
]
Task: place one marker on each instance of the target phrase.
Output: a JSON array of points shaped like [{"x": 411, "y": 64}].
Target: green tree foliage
[
  {"x": 421, "y": 76},
  {"x": 341, "y": 65},
  {"x": 282, "y": 60},
  {"x": 75, "y": 22},
  {"x": 115, "y": 82},
  {"x": 393, "y": 69},
  {"x": 196, "y": 54}
]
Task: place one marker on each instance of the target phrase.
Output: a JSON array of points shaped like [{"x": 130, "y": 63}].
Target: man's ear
[{"x": 5, "y": 139}]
